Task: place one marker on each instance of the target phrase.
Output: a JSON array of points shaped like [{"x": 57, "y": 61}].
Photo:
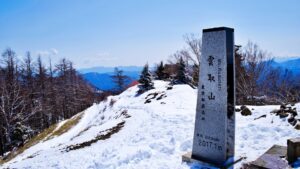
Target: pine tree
[
  {"x": 145, "y": 79},
  {"x": 160, "y": 71},
  {"x": 182, "y": 75}
]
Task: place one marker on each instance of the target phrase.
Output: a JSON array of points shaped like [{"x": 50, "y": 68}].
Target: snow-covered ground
[{"x": 154, "y": 135}]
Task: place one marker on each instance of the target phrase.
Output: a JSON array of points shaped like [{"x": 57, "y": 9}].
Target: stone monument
[{"x": 215, "y": 118}]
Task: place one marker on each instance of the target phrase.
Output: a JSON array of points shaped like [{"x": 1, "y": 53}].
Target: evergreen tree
[
  {"x": 182, "y": 75},
  {"x": 145, "y": 79},
  {"x": 160, "y": 71}
]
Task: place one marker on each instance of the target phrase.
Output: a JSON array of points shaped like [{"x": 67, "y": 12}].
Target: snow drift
[{"x": 151, "y": 130}]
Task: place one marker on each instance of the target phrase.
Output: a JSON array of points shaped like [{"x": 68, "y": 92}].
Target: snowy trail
[{"x": 154, "y": 136}]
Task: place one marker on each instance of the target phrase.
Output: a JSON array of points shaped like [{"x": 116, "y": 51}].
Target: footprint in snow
[{"x": 186, "y": 145}]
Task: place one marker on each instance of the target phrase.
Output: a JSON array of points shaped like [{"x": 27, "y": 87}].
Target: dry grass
[{"x": 66, "y": 126}]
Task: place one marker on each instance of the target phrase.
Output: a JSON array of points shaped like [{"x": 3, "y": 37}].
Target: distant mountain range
[
  {"x": 100, "y": 77},
  {"x": 292, "y": 65},
  {"x": 102, "y": 69}
]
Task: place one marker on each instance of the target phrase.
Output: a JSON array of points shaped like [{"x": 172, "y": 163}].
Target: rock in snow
[
  {"x": 131, "y": 134},
  {"x": 245, "y": 111}
]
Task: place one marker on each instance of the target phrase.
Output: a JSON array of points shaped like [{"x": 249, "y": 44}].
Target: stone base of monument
[
  {"x": 274, "y": 158},
  {"x": 189, "y": 159}
]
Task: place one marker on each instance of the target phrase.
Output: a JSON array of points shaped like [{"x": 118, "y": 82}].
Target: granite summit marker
[{"x": 215, "y": 118}]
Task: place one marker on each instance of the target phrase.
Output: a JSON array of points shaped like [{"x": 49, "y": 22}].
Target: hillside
[
  {"x": 103, "y": 81},
  {"x": 126, "y": 132},
  {"x": 103, "y": 69},
  {"x": 291, "y": 65},
  {"x": 100, "y": 77}
]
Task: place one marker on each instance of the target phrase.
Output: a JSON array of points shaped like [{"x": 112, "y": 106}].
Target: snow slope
[{"x": 132, "y": 134}]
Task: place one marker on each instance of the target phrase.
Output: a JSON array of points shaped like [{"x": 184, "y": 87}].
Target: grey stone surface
[
  {"x": 274, "y": 158},
  {"x": 215, "y": 119},
  {"x": 188, "y": 158}
]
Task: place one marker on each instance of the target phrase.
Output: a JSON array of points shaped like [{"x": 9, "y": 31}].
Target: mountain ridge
[
  {"x": 104, "y": 81},
  {"x": 100, "y": 77},
  {"x": 150, "y": 130},
  {"x": 291, "y": 65},
  {"x": 110, "y": 69}
]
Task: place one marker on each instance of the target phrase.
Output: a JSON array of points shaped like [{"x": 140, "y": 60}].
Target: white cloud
[
  {"x": 54, "y": 51},
  {"x": 43, "y": 53},
  {"x": 101, "y": 58},
  {"x": 47, "y": 53},
  {"x": 105, "y": 57}
]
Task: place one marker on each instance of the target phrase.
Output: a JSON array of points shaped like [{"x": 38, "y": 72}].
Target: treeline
[
  {"x": 257, "y": 81},
  {"x": 182, "y": 67},
  {"x": 34, "y": 96}
]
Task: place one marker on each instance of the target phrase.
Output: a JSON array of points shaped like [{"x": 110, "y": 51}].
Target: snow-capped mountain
[{"x": 151, "y": 130}]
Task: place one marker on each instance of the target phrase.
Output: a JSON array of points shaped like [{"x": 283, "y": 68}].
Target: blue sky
[{"x": 133, "y": 32}]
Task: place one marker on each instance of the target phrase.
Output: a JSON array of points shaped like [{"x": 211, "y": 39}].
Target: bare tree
[
  {"x": 119, "y": 79},
  {"x": 11, "y": 99},
  {"x": 190, "y": 55},
  {"x": 256, "y": 63},
  {"x": 194, "y": 43},
  {"x": 286, "y": 89},
  {"x": 32, "y": 98}
]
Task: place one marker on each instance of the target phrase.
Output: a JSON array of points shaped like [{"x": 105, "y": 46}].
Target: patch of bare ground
[
  {"x": 107, "y": 134},
  {"x": 124, "y": 113},
  {"x": 247, "y": 166}
]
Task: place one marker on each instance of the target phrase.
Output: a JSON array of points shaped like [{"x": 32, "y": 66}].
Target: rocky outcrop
[
  {"x": 288, "y": 110},
  {"x": 245, "y": 111}
]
